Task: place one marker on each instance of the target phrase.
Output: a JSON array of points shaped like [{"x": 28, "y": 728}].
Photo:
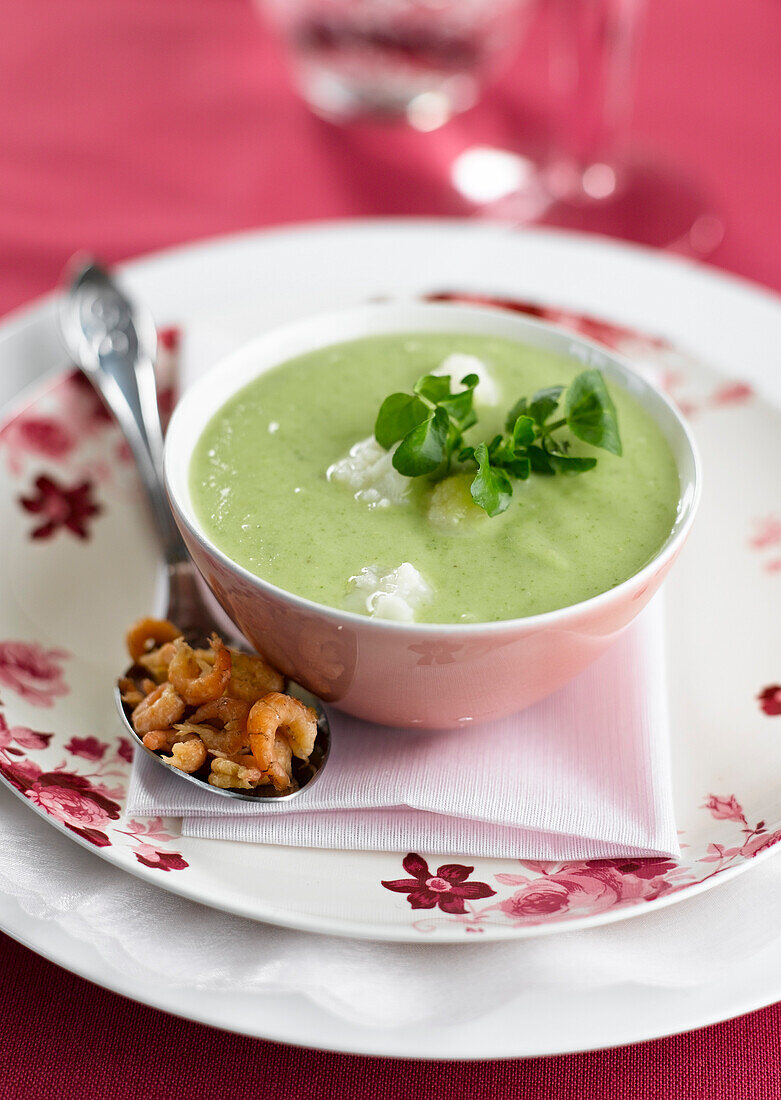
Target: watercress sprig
[
  {"x": 429, "y": 426},
  {"x": 429, "y": 423}
]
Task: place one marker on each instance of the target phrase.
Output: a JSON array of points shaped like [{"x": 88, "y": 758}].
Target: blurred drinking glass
[
  {"x": 423, "y": 60},
  {"x": 591, "y": 178}
]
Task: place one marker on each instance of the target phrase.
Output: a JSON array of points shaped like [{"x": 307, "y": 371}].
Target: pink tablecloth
[{"x": 128, "y": 125}]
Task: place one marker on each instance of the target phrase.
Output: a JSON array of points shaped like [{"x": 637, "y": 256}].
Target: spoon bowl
[{"x": 305, "y": 774}]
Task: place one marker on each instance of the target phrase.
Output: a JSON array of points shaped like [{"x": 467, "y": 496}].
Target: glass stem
[{"x": 593, "y": 45}]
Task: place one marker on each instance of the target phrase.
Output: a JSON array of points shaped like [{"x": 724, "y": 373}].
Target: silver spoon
[{"x": 114, "y": 341}]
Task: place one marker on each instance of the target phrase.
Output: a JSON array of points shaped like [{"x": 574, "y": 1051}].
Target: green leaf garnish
[
  {"x": 523, "y": 432},
  {"x": 570, "y": 464},
  {"x": 433, "y": 387},
  {"x": 519, "y": 409},
  {"x": 429, "y": 426},
  {"x": 458, "y": 406},
  {"x": 540, "y": 460},
  {"x": 519, "y": 467},
  {"x": 491, "y": 488},
  {"x": 423, "y": 449},
  {"x": 544, "y": 403},
  {"x": 590, "y": 412},
  {"x": 399, "y": 414},
  {"x": 496, "y": 443}
]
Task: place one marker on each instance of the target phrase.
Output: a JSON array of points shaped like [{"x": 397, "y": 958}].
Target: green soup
[{"x": 260, "y": 488}]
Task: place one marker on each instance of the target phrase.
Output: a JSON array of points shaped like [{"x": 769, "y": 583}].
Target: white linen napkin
[{"x": 582, "y": 775}]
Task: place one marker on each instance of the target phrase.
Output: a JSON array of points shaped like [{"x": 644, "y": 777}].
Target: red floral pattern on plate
[
  {"x": 83, "y": 407},
  {"x": 596, "y": 884},
  {"x": 593, "y": 328},
  {"x": 74, "y": 801},
  {"x": 56, "y": 430},
  {"x": 68, "y": 426},
  {"x": 61, "y": 507},
  {"x": 65, "y": 427},
  {"x": 32, "y": 672},
  {"x": 88, "y": 747},
  {"x": 85, "y": 802},
  {"x": 149, "y": 838},
  {"x": 555, "y": 891},
  {"x": 618, "y": 338},
  {"x": 125, "y": 750},
  {"x": 15, "y": 738},
  {"x": 725, "y": 395},
  {"x": 767, "y": 533},
  {"x": 547, "y": 892},
  {"x": 767, "y": 537},
  {"x": 731, "y": 393},
  {"x": 752, "y": 841},
  {"x": 40, "y": 436},
  {"x": 169, "y": 339},
  {"x": 725, "y": 808},
  {"x": 447, "y": 888},
  {"x": 770, "y": 700}
]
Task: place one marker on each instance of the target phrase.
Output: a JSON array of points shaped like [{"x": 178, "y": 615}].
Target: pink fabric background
[{"x": 128, "y": 125}]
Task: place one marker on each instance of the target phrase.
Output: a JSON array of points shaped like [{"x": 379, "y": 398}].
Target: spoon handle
[{"x": 114, "y": 342}]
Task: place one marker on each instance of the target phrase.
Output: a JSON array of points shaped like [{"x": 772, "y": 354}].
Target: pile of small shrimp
[{"x": 214, "y": 705}]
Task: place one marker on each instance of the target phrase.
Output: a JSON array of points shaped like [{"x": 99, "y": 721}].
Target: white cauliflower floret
[
  {"x": 458, "y": 366},
  {"x": 395, "y": 595},
  {"x": 368, "y": 470}
]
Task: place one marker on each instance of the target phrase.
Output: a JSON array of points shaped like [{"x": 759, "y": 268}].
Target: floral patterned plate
[{"x": 78, "y": 561}]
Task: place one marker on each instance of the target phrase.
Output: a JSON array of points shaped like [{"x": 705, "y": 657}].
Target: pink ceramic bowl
[{"x": 427, "y": 675}]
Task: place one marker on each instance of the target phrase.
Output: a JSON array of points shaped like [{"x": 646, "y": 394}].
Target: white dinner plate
[
  {"x": 78, "y": 564},
  {"x": 545, "y": 1014}
]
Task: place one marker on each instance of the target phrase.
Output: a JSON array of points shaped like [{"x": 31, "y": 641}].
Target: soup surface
[{"x": 261, "y": 491}]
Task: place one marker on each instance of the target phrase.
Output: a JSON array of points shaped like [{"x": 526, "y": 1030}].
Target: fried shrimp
[
  {"x": 218, "y": 712},
  {"x": 129, "y": 692},
  {"x": 161, "y": 709},
  {"x": 199, "y": 683},
  {"x": 280, "y": 771},
  {"x": 149, "y": 634},
  {"x": 252, "y": 677},
  {"x": 160, "y": 739},
  {"x": 294, "y": 718},
  {"x": 156, "y": 662},
  {"x": 280, "y": 726},
  {"x": 221, "y": 725},
  {"x": 231, "y": 773},
  {"x": 188, "y": 756},
  {"x": 157, "y": 740}
]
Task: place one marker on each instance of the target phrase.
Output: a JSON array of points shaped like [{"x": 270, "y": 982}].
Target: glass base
[
  {"x": 638, "y": 200},
  {"x": 426, "y": 103}
]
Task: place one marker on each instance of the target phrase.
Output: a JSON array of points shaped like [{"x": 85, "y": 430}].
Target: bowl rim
[{"x": 688, "y": 498}]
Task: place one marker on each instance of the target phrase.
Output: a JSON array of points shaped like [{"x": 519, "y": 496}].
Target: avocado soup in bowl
[{"x": 430, "y": 514}]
